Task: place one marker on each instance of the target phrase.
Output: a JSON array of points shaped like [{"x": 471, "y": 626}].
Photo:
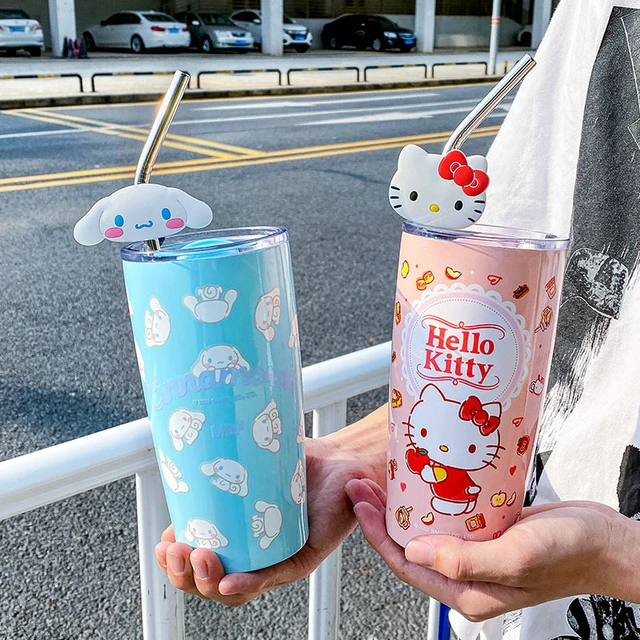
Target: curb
[{"x": 202, "y": 94}]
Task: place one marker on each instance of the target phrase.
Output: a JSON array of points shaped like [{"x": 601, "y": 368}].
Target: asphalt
[{"x": 67, "y": 359}]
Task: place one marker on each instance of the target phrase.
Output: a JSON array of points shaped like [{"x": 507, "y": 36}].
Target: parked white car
[
  {"x": 138, "y": 31},
  {"x": 294, "y": 36},
  {"x": 19, "y": 31}
]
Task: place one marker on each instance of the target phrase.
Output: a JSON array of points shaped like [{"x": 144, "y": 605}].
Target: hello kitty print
[
  {"x": 446, "y": 192},
  {"x": 443, "y": 456},
  {"x": 467, "y": 383}
]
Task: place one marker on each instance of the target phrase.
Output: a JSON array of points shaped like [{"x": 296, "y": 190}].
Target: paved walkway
[{"x": 160, "y": 66}]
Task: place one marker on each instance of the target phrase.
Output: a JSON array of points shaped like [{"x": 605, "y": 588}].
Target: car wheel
[
  {"x": 206, "y": 46},
  {"x": 377, "y": 44},
  {"x": 525, "y": 40},
  {"x": 34, "y": 52},
  {"x": 333, "y": 43},
  {"x": 301, "y": 48},
  {"x": 89, "y": 41},
  {"x": 137, "y": 46}
]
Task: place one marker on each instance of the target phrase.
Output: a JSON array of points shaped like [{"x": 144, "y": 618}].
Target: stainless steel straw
[
  {"x": 490, "y": 102},
  {"x": 158, "y": 132}
]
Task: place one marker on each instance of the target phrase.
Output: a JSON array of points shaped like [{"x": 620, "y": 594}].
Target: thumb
[{"x": 461, "y": 560}]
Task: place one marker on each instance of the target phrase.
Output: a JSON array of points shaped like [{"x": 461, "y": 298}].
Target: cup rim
[
  {"x": 194, "y": 245},
  {"x": 485, "y": 234}
]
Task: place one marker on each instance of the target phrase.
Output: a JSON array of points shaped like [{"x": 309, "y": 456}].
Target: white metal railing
[{"x": 58, "y": 472}]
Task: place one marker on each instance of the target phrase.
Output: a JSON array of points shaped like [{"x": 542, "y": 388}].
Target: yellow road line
[
  {"x": 244, "y": 151},
  {"x": 428, "y": 138},
  {"x": 115, "y": 130},
  {"x": 272, "y": 157}
]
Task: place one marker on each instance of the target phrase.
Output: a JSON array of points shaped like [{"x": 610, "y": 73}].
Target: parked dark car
[{"x": 362, "y": 32}]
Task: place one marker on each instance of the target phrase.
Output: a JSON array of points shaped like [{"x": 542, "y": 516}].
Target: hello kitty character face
[
  {"x": 453, "y": 434},
  {"x": 157, "y": 324},
  {"x": 265, "y": 426},
  {"x": 227, "y": 475},
  {"x": 141, "y": 212},
  {"x": 447, "y": 192},
  {"x": 184, "y": 426},
  {"x": 205, "y": 534},
  {"x": 268, "y": 313},
  {"x": 219, "y": 358}
]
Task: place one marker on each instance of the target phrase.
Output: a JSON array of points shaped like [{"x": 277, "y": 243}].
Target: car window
[
  {"x": 385, "y": 23},
  {"x": 245, "y": 16},
  {"x": 13, "y": 14},
  {"x": 288, "y": 20},
  {"x": 116, "y": 18},
  {"x": 210, "y": 19},
  {"x": 132, "y": 18},
  {"x": 158, "y": 17}
]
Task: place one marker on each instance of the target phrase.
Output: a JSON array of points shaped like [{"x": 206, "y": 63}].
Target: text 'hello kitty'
[{"x": 460, "y": 351}]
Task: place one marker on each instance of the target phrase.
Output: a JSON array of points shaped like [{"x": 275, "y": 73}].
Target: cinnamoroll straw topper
[
  {"x": 443, "y": 191},
  {"x": 141, "y": 212}
]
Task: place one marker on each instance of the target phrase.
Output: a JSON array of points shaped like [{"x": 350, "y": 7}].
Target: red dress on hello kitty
[{"x": 456, "y": 483}]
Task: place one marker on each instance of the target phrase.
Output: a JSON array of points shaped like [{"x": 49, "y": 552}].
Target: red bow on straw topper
[
  {"x": 472, "y": 409},
  {"x": 454, "y": 167}
]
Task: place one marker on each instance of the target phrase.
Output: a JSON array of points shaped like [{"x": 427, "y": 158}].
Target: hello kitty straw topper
[
  {"x": 146, "y": 212},
  {"x": 448, "y": 191}
]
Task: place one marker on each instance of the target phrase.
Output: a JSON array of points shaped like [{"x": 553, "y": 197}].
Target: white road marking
[
  {"x": 55, "y": 132},
  {"x": 325, "y": 113},
  {"x": 317, "y": 103},
  {"x": 397, "y": 115}
]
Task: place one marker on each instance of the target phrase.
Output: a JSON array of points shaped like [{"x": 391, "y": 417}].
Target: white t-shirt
[{"x": 567, "y": 161}]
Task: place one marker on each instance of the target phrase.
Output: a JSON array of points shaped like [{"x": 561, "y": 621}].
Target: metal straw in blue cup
[{"x": 215, "y": 329}]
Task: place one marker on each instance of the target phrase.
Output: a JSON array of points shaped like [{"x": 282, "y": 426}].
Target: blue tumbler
[{"x": 216, "y": 337}]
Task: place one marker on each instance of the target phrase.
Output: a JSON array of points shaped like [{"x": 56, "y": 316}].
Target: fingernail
[
  {"x": 200, "y": 568},
  {"x": 420, "y": 552},
  {"x": 227, "y": 591},
  {"x": 175, "y": 562}
]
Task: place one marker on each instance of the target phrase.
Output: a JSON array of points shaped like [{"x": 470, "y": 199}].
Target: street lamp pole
[{"x": 495, "y": 36}]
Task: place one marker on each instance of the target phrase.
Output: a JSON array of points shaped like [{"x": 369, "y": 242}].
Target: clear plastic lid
[
  {"x": 489, "y": 235},
  {"x": 205, "y": 244}
]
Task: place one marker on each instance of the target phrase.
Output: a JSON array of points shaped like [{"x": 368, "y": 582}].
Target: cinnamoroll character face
[
  {"x": 185, "y": 426},
  {"x": 157, "y": 324},
  {"x": 298, "y": 485},
  {"x": 268, "y": 313},
  {"x": 227, "y": 475},
  {"x": 265, "y": 426},
  {"x": 204, "y": 534},
  {"x": 219, "y": 359},
  {"x": 141, "y": 212}
]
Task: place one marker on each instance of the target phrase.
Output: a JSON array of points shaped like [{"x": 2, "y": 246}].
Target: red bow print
[
  {"x": 454, "y": 167},
  {"x": 472, "y": 409}
]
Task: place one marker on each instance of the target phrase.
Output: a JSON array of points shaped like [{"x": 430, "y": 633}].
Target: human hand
[
  {"x": 554, "y": 551},
  {"x": 331, "y": 462}
]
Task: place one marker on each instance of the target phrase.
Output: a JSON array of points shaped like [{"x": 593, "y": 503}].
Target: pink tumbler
[{"x": 475, "y": 320}]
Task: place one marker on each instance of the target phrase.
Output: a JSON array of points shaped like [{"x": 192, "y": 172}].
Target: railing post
[
  {"x": 324, "y": 583},
  {"x": 162, "y": 604}
]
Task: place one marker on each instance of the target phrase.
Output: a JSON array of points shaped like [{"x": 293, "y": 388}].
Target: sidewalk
[{"x": 249, "y": 71}]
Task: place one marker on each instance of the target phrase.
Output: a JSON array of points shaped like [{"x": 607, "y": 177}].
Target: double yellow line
[
  {"x": 43, "y": 181},
  {"x": 199, "y": 146}
]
